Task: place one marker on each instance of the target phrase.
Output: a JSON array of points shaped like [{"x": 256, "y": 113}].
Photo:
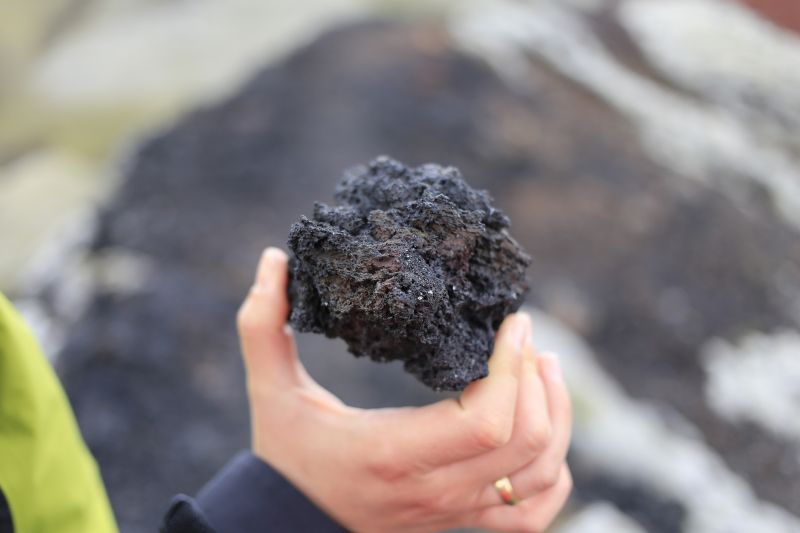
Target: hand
[{"x": 410, "y": 469}]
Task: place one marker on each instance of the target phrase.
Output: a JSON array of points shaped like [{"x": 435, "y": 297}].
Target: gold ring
[{"x": 506, "y": 491}]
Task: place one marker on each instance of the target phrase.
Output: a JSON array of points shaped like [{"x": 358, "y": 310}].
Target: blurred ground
[{"x": 647, "y": 153}]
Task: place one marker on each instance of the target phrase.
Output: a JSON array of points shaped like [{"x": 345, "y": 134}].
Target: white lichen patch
[
  {"x": 696, "y": 139},
  {"x": 634, "y": 440},
  {"x": 725, "y": 52},
  {"x": 757, "y": 380}
]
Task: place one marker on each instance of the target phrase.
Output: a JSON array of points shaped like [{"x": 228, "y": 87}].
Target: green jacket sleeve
[{"x": 47, "y": 474}]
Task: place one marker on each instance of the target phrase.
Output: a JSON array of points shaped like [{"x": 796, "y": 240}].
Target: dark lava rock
[{"x": 413, "y": 265}]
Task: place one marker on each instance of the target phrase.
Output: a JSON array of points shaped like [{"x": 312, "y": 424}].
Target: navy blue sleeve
[
  {"x": 184, "y": 516},
  {"x": 247, "y": 496},
  {"x": 6, "y": 525}
]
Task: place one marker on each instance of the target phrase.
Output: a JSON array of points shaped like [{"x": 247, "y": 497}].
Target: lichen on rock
[{"x": 412, "y": 265}]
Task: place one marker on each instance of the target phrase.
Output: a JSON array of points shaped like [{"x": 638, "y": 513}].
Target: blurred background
[{"x": 647, "y": 152}]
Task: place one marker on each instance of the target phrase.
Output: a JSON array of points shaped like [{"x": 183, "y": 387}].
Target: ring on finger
[{"x": 506, "y": 491}]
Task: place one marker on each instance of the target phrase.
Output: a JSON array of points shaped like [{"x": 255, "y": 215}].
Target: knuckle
[
  {"x": 384, "y": 470},
  {"x": 536, "y": 437},
  {"x": 434, "y": 500},
  {"x": 435, "y": 504},
  {"x": 417, "y": 503},
  {"x": 386, "y": 467},
  {"x": 491, "y": 433},
  {"x": 549, "y": 478},
  {"x": 553, "y": 477}
]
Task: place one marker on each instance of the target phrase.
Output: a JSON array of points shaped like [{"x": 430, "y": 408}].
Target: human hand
[{"x": 410, "y": 469}]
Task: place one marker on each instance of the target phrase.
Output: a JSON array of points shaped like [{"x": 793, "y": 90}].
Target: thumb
[
  {"x": 270, "y": 355},
  {"x": 482, "y": 419}
]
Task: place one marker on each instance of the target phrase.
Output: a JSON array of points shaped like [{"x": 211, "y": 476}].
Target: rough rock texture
[{"x": 413, "y": 265}]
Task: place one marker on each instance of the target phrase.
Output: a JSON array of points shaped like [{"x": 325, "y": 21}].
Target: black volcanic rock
[{"x": 413, "y": 265}]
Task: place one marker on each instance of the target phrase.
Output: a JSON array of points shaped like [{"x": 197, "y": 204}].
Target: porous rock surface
[{"x": 413, "y": 265}]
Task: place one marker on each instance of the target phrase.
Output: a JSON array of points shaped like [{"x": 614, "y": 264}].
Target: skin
[{"x": 416, "y": 469}]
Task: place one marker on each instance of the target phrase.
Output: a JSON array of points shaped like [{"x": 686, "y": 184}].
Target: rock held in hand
[{"x": 412, "y": 265}]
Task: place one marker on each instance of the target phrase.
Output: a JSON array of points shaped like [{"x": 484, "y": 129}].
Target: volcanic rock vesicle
[{"x": 413, "y": 264}]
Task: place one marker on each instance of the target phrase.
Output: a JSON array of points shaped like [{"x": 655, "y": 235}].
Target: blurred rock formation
[{"x": 659, "y": 204}]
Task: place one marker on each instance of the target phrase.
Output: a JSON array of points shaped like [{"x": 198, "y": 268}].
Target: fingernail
[
  {"x": 267, "y": 276},
  {"x": 520, "y": 331},
  {"x": 552, "y": 367}
]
